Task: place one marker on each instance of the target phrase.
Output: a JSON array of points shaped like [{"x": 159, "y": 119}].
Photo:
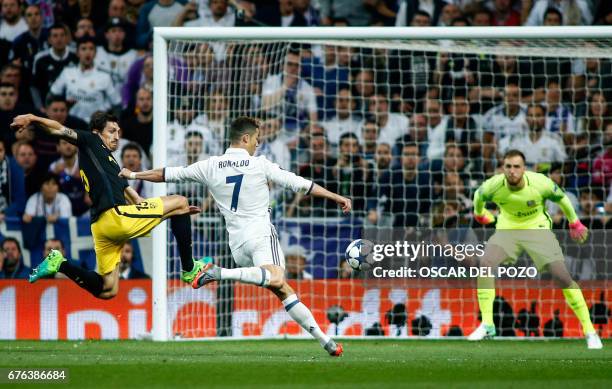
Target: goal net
[{"x": 407, "y": 124}]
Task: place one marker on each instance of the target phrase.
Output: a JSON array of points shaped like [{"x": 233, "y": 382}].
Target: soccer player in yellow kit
[{"x": 524, "y": 225}]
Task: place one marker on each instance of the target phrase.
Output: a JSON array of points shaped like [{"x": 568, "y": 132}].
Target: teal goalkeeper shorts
[{"x": 541, "y": 245}]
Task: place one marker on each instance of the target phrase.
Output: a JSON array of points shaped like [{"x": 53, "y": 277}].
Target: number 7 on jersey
[{"x": 237, "y": 181}]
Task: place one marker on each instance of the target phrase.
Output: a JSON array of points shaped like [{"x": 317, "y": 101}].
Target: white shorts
[{"x": 265, "y": 250}]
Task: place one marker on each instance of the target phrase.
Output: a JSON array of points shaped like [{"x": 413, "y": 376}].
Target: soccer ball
[{"x": 357, "y": 253}]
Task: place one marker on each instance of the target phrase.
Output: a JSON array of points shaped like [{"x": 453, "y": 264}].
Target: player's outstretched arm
[
  {"x": 481, "y": 214},
  {"x": 343, "y": 202},
  {"x": 51, "y": 127},
  {"x": 578, "y": 231},
  {"x": 155, "y": 175}
]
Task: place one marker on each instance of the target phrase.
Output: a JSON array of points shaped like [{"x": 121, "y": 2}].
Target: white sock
[
  {"x": 302, "y": 315},
  {"x": 247, "y": 275}
]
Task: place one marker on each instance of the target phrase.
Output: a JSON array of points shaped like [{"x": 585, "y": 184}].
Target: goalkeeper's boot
[
  {"x": 484, "y": 331},
  {"x": 209, "y": 273},
  {"x": 593, "y": 341},
  {"x": 48, "y": 267},
  {"x": 198, "y": 265},
  {"x": 334, "y": 349}
]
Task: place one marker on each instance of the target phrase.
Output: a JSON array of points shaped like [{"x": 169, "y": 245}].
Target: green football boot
[
  {"x": 188, "y": 276},
  {"x": 48, "y": 267}
]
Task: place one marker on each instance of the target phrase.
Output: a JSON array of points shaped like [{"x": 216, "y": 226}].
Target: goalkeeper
[{"x": 524, "y": 225}]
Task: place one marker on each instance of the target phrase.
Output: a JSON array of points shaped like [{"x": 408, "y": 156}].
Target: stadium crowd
[{"x": 408, "y": 135}]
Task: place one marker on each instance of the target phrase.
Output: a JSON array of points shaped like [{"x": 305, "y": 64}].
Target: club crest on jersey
[{"x": 531, "y": 203}]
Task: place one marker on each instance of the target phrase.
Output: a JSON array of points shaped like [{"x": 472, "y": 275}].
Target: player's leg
[
  {"x": 101, "y": 286},
  {"x": 176, "y": 208},
  {"x": 546, "y": 252},
  {"x": 297, "y": 310},
  {"x": 575, "y": 299},
  {"x": 493, "y": 256},
  {"x": 264, "y": 265}
]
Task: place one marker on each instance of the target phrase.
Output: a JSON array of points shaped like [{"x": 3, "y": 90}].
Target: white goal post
[{"x": 545, "y": 41}]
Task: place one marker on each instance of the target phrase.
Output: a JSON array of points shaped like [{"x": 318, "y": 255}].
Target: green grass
[{"x": 278, "y": 363}]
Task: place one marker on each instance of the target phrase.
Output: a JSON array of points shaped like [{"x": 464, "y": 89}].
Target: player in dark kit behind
[{"x": 118, "y": 213}]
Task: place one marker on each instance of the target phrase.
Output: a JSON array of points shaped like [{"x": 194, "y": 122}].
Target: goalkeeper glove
[
  {"x": 485, "y": 218},
  {"x": 578, "y": 231}
]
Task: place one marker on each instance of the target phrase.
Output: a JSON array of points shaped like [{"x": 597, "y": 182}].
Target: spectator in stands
[
  {"x": 29, "y": 43},
  {"x": 453, "y": 163},
  {"x": 157, "y": 13},
  {"x": 12, "y": 24},
  {"x": 88, "y": 88},
  {"x": 137, "y": 125},
  {"x": 271, "y": 145},
  {"x": 449, "y": 13},
  {"x": 504, "y": 15},
  {"x": 462, "y": 128},
  {"x": 595, "y": 73},
  {"x": 392, "y": 125},
  {"x": 49, "y": 203},
  {"x": 408, "y": 190},
  {"x": 184, "y": 112},
  {"x": 308, "y": 11},
  {"x": 287, "y": 89},
  {"x": 131, "y": 158},
  {"x": 353, "y": 173},
  {"x": 417, "y": 14},
  {"x": 482, "y": 18},
  {"x": 49, "y": 64},
  {"x": 575, "y": 12},
  {"x": 598, "y": 116},
  {"x": 555, "y": 173},
  {"x": 218, "y": 15},
  {"x": 454, "y": 191},
  {"x": 508, "y": 118},
  {"x": 127, "y": 271},
  {"x": 12, "y": 186},
  {"x": 345, "y": 271},
  {"x": 343, "y": 121},
  {"x": 214, "y": 121},
  {"x": 382, "y": 12},
  {"x": 9, "y": 108},
  {"x": 66, "y": 168},
  {"x": 84, "y": 27},
  {"x": 592, "y": 209},
  {"x": 115, "y": 58},
  {"x": 552, "y": 17},
  {"x": 118, "y": 9},
  {"x": 11, "y": 260},
  {"x": 602, "y": 165},
  {"x": 295, "y": 263},
  {"x": 416, "y": 134},
  {"x": 279, "y": 13},
  {"x": 353, "y": 12},
  {"x": 12, "y": 74},
  {"x": 328, "y": 78},
  {"x": 559, "y": 117},
  {"x": 437, "y": 126},
  {"x": 370, "y": 134},
  {"x": 34, "y": 173},
  {"x": 364, "y": 84},
  {"x": 539, "y": 146},
  {"x": 382, "y": 175},
  {"x": 319, "y": 167},
  {"x": 140, "y": 75}
]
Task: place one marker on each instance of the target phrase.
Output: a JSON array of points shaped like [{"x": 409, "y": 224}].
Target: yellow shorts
[
  {"x": 117, "y": 225},
  {"x": 540, "y": 244}
]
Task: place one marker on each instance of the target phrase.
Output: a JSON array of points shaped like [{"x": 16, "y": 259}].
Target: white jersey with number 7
[{"x": 239, "y": 184}]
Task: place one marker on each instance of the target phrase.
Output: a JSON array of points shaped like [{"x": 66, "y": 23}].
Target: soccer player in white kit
[{"x": 238, "y": 182}]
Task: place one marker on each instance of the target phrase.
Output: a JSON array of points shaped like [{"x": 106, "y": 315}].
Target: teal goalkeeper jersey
[{"x": 522, "y": 209}]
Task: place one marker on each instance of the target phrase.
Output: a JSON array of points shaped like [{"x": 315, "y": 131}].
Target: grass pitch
[{"x": 297, "y": 363}]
